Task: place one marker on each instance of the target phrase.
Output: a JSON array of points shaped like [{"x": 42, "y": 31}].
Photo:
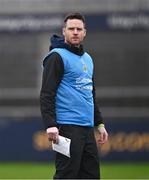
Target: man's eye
[
  {"x": 71, "y": 29},
  {"x": 79, "y": 29}
]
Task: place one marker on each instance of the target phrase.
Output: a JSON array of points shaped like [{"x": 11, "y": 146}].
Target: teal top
[{"x": 74, "y": 99}]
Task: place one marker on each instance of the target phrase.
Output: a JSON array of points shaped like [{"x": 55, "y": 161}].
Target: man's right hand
[{"x": 53, "y": 134}]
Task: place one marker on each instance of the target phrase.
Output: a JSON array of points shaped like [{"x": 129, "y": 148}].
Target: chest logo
[{"x": 84, "y": 68}]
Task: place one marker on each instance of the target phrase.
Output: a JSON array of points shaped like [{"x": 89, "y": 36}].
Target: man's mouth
[{"x": 75, "y": 38}]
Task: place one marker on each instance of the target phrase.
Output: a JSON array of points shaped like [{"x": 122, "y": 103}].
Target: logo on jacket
[{"x": 84, "y": 66}]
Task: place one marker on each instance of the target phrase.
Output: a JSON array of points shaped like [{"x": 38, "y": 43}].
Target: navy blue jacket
[{"x": 53, "y": 75}]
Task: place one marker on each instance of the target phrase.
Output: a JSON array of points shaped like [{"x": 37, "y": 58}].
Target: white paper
[{"x": 63, "y": 146}]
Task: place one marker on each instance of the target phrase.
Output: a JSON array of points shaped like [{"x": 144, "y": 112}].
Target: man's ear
[
  {"x": 84, "y": 32},
  {"x": 63, "y": 31}
]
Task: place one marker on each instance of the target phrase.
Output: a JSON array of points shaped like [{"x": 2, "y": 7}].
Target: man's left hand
[{"x": 103, "y": 135}]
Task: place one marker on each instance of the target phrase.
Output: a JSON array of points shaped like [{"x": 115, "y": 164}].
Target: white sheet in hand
[{"x": 63, "y": 146}]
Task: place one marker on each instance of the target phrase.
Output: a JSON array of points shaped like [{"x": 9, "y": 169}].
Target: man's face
[{"x": 74, "y": 32}]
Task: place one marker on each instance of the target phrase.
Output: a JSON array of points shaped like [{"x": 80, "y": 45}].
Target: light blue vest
[{"x": 74, "y": 100}]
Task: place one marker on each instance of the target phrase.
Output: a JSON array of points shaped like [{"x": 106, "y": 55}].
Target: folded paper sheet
[{"x": 63, "y": 146}]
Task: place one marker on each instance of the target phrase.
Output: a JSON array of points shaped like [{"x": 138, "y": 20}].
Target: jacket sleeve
[
  {"x": 51, "y": 78},
  {"x": 97, "y": 114}
]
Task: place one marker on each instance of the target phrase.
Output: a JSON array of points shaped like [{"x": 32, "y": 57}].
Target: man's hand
[
  {"x": 103, "y": 135},
  {"x": 53, "y": 133}
]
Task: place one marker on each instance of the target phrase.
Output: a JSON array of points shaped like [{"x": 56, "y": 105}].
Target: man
[{"x": 68, "y": 104}]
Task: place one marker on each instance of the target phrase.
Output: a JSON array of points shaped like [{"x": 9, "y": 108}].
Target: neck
[{"x": 73, "y": 45}]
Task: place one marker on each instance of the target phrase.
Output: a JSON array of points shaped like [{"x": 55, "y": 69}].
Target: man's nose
[{"x": 75, "y": 31}]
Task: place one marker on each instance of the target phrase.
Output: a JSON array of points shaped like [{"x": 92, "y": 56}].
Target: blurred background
[{"x": 118, "y": 39}]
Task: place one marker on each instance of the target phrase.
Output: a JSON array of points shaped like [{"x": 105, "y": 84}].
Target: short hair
[{"x": 74, "y": 16}]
